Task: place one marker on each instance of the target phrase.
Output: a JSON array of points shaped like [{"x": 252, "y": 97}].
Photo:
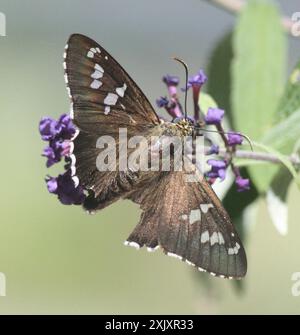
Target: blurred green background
[{"x": 57, "y": 259}]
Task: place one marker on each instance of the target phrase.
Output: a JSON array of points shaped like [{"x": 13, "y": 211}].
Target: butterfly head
[{"x": 184, "y": 126}]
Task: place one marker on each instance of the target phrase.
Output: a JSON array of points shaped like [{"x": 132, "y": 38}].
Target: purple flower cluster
[
  {"x": 243, "y": 184},
  {"x": 218, "y": 169},
  {"x": 59, "y": 133},
  {"x": 172, "y": 104},
  {"x": 64, "y": 187},
  {"x": 214, "y": 116}
]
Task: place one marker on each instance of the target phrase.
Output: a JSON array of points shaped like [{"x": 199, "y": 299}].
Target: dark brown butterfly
[{"x": 103, "y": 99}]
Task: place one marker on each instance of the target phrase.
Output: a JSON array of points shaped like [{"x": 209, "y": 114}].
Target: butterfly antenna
[
  {"x": 226, "y": 133},
  {"x": 186, "y": 83}
]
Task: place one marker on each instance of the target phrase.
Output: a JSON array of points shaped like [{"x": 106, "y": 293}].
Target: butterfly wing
[
  {"x": 188, "y": 221},
  {"x": 103, "y": 95},
  {"x": 103, "y": 99}
]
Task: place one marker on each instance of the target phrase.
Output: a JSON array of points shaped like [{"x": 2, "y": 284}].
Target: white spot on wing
[
  {"x": 111, "y": 99},
  {"x": 106, "y": 110},
  {"x": 195, "y": 215},
  {"x": 204, "y": 237},
  {"x": 153, "y": 249},
  {"x": 234, "y": 250},
  {"x": 99, "y": 68},
  {"x": 205, "y": 207},
  {"x": 69, "y": 92},
  {"x": 214, "y": 238},
  {"x": 171, "y": 254},
  {"x": 71, "y": 113},
  {"x": 132, "y": 244},
  {"x": 71, "y": 149},
  {"x": 121, "y": 90},
  {"x": 75, "y": 135},
  {"x": 73, "y": 162},
  {"x": 75, "y": 180},
  {"x": 189, "y": 263},
  {"x": 221, "y": 239},
  {"x": 90, "y": 54},
  {"x": 96, "y": 84},
  {"x": 97, "y": 74}
]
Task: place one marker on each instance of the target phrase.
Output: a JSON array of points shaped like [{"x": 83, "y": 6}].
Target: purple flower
[
  {"x": 55, "y": 151},
  {"x": 218, "y": 169},
  {"x": 242, "y": 184},
  {"x": 67, "y": 127},
  {"x": 234, "y": 138},
  {"x": 217, "y": 163},
  {"x": 64, "y": 186},
  {"x": 196, "y": 83},
  {"x": 213, "y": 150},
  {"x": 162, "y": 102},
  {"x": 174, "y": 110},
  {"x": 170, "y": 80},
  {"x": 51, "y": 184},
  {"x": 49, "y": 128},
  {"x": 214, "y": 116},
  {"x": 198, "y": 80}
]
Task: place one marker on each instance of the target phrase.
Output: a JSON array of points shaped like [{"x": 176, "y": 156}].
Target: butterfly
[{"x": 174, "y": 216}]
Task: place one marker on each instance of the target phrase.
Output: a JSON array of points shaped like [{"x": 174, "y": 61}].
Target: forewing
[
  {"x": 103, "y": 99},
  {"x": 103, "y": 95}
]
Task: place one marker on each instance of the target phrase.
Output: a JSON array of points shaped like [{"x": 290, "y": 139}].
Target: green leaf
[
  {"x": 219, "y": 74},
  {"x": 276, "y": 200},
  {"x": 290, "y": 102},
  {"x": 236, "y": 202},
  {"x": 284, "y": 135},
  {"x": 206, "y": 101},
  {"x": 257, "y": 75},
  {"x": 284, "y": 160}
]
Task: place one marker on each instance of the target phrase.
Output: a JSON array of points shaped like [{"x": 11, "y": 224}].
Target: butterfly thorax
[{"x": 180, "y": 128}]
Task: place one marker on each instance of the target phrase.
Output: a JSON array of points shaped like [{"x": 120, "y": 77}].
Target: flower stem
[{"x": 259, "y": 156}]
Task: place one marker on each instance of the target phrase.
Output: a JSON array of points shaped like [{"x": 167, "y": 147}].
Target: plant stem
[
  {"x": 259, "y": 156},
  {"x": 236, "y": 6}
]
